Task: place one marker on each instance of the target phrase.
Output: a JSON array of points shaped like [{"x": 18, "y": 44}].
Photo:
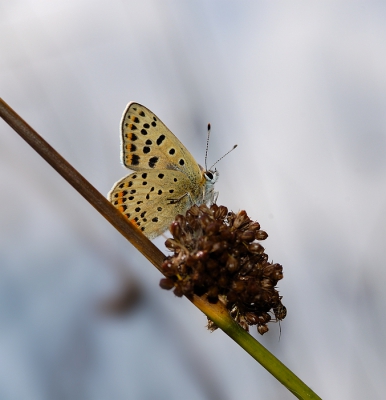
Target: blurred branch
[{"x": 215, "y": 312}]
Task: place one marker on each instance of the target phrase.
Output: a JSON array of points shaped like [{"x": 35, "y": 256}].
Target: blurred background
[{"x": 300, "y": 87}]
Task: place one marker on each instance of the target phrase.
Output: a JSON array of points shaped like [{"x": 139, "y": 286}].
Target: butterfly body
[{"x": 166, "y": 180}]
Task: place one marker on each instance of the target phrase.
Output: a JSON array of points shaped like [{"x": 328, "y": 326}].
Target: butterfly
[{"x": 167, "y": 180}]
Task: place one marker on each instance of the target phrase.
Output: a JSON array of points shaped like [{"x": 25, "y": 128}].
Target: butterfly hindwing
[
  {"x": 148, "y": 144},
  {"x": 152, "y": 198}
]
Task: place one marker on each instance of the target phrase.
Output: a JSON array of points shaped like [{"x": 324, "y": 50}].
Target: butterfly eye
[{"x": 209, "y": 175}]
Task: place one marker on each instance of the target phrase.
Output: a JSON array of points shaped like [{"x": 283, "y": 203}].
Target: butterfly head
[{"x": 211, "y": 176}]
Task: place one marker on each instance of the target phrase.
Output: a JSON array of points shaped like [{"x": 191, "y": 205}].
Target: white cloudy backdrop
[{"x": 300, "y": 87}]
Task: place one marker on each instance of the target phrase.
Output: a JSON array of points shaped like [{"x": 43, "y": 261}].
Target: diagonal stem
[{"x": 216, "y": 312}]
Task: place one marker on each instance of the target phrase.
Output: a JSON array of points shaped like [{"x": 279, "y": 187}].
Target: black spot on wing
[
  {"x": 161, "y": 139},
  {"x": 153, "y": 161},
  {"x": 133, "y": 159}
]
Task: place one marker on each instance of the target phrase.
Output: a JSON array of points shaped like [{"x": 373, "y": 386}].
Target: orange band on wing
[
  {"x": 122, "y": 208},
  {"x": 134, "y": 224}
]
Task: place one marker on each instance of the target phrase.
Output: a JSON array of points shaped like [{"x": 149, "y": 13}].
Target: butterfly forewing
[
  {"x": 148, "y": 144},
  {"x": 153, "y": 198}
]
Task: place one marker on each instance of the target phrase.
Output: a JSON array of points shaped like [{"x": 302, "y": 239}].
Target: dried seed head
[
  {"x": 215, "y": 252},
  {"x": 280, "y": 312},
  {"x": 261, "y": 235},
  {"x": 262, "y": 329},
  {"x": 166, "y": 283}
]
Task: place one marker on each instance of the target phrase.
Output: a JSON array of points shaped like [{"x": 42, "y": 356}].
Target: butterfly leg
[
  {"x": 214, "y": 197},
  {"x": 210, "y": 197},
  {"x": 174, "y": 201}
]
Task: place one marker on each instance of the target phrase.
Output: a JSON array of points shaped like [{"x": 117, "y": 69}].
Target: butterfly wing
[
  {"x": 148, "y": 144},
  {"x": 152, "y": 198}
]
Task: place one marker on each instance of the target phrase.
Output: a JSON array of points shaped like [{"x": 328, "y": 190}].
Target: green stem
[{"x": 221, "y": 317}]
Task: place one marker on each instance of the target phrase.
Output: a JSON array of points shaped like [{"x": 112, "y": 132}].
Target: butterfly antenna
[
  {"x": 222, "y": 157},
  {"x": 207, "y": 146}
]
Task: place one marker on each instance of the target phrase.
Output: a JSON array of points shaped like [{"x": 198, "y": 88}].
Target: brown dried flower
[{"x": 217, "y": 253}]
